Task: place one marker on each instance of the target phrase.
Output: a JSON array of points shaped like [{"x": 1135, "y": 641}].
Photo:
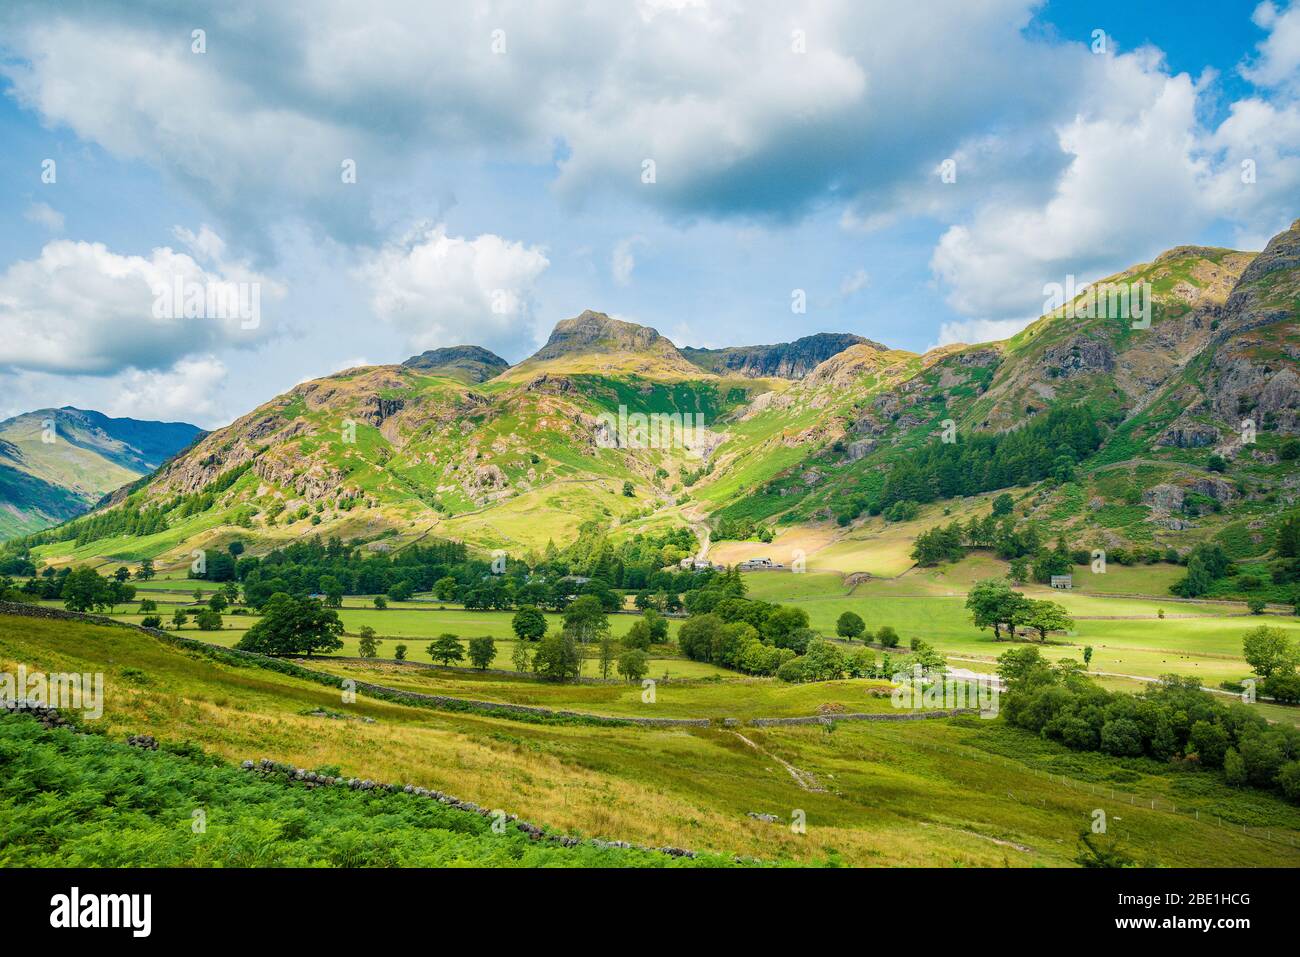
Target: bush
[
  {"x": 887, "y": 637},
  {"x": 791, "y": 671}
]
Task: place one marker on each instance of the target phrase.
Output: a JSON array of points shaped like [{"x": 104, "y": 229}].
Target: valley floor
[{"x": 943, "y": 792}]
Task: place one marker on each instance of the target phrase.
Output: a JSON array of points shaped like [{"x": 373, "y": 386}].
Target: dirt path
[{"x": 804, "y": 779}]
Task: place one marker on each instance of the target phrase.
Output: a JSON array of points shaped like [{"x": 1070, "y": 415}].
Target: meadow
[{"x": 942, "y": 792}]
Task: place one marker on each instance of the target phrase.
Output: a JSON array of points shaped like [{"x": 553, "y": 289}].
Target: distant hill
[
  {"x": 466, "y": 363},
  {"x": 784, "y": 360},
  {"x": 57, "y": 463}
]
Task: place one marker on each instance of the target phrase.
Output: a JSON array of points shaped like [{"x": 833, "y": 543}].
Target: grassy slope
[{"x": 914, "y": 793}]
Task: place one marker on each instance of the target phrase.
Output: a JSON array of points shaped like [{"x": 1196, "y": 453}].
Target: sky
[{"x": 382, "y": 179}]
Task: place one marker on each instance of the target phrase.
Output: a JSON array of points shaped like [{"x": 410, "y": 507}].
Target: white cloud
[
  {"x": 442, "y": 290},
  {"x": 45, "y": 216},
  {"x": 741, "y": 114},
  {"x": 973, "y": 331},
  {"x": 190, "y": 391},
  {"x": 854, "y": 282},
  {"x": 1140, "y": 169},
  {"x": 1278, "y": 62},
  {"x": 81, "y": 308},
  {"x": 623, "y": 260}
]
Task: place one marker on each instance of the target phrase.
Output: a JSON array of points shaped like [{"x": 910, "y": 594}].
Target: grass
[{"x": 911, "y": 793}]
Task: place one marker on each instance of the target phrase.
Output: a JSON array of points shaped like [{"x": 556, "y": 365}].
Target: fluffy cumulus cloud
[
  {"x": 190, "y": 391},
  {"x": 762, "y": 111},
  {"x": 79, "y": 307},
  {"x": 764, "y": 108},
  {"x": 442, "y": 290},
  {"x": 1141, "y": 166}
]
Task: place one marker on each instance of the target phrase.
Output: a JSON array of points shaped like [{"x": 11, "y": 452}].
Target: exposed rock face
[
  {"x": 1081, "y": 355},
  {"x": 1186, "y": 434},
  {"x": 376, "y": 409},
  {"x": 783, "y": 360},
  {"x": 1253, "y": 374},
  {"x": 1164, "y": 498},
  {"x": 466, "y": 363},
  {"x": 1215, "y": 488}
]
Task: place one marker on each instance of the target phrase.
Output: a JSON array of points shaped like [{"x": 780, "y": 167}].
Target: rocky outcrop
[
  {"x": 467, "y": 363},
  {"x": 1081, "y": 355},
  {"x": 783, "y": 360},
  {"x": 1186, "y": 434}
]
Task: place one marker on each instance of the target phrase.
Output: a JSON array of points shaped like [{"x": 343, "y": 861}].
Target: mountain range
[
  {"x": 1195, "y": 409},
  {"x": 57, "y": 463}
]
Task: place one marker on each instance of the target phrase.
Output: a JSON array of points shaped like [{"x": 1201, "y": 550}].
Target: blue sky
[{"x": 500, "y": 188}]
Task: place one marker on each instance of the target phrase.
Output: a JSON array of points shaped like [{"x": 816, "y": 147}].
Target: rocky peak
[{"x": 597, "y": 332}]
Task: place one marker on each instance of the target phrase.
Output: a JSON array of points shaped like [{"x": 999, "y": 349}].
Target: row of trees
[{"x": 1172, "y": 721}]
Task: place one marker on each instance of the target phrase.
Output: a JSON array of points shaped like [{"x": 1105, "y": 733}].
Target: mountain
[
  {"x": 57, "y": 463},
  {"x": 784, "y": 360},
  {"x": 1111, "y": 431},
  {"x": 466, "y": 363}
]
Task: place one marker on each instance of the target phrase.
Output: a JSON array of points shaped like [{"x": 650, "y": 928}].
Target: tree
[
  {"x": 332, "y": 589},
  {"x": 151, "y": 621},
  {"x": 292, "y": 626},
  {"x": 633, "y": 664},
  {"x": 629, "y": 490},
  {"x": 208, "y": 620},
  {"x": 1209, "y": 741},
  {"x": 445, "y": 648},
  {"x": 521, "y": 657},
  {"x": 1087, "y": 655},
  {"x": 887, "y": 636},
  {"x": 1234, "y": 768},
  {"x": 586, "y": 619},
  {"x": 1283, "y": 686},
  {"x": 381, "y": 602},
  {"x": 1045, "y": 616},
  {"x": 179, "y": 617},
  {"x": 84, "y": 590},
  {"x": 236, "y": 548},
  {"x": 218, "y": 602},
  {"x": 1257, "y": 606},
  {"x": 231, "y": 591},
  {"x": 529, "y": 623},
  {"x": 638, "y": 636},
  {"x": 992, "y": 603},
  {"x": 658, "y": 626},
  {"x": 399, "y": 653},
  {"x": 401, "y": 591},
  {"x": 147, "y": 605},
  {"x": 117, "y": 593},
  {"x": 122, "y": 573},
  {"x": 145, "y": 571},
  {"x": 558, "y": 657},
  {"x": 607, "y": 655},
  {"x": 850, "y": 625},
  {"x": 444, "y": 589},
  {"x": 1003, "y": 504},
  {"x": 1267, "y": 649},
  {"x": 482, "y": 651},
  {"x": 367, "y": 643}
]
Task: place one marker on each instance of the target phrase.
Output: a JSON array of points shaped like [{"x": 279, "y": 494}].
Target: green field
[{"x": 948, "y": 792}]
